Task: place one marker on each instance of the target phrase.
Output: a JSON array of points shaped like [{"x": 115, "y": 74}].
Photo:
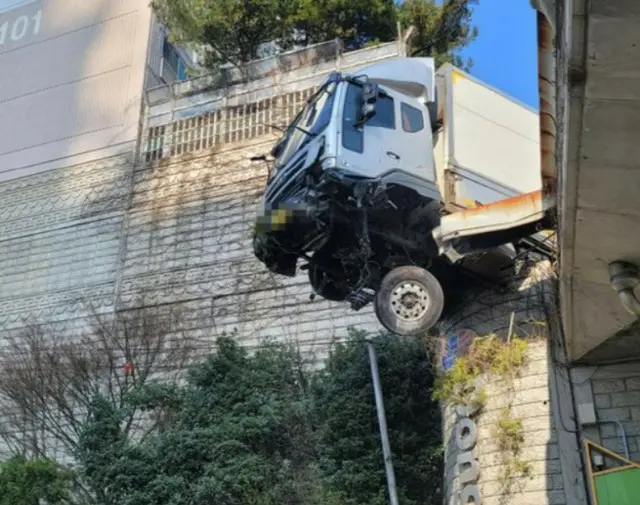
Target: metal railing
[
  {"x": 237, "y": 105},
  {"x": 225, "y": 126}
]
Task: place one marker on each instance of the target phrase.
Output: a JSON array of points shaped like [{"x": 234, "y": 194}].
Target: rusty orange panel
[
  {"x": 500, "y": 215},
  {"x": 547, "y": 90},
  {"x": 529, "y": 201}
]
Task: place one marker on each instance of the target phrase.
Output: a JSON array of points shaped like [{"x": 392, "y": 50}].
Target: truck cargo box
[{"x": 487, "y": 148}]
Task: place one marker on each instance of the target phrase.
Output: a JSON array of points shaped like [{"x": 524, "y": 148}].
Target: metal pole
[{"x": 382, "y": 423}]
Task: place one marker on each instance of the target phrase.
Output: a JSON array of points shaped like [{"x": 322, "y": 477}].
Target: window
[
  {"x": 319, "y": 111},
  {"x": 172, "y": 59},
  {"x": 385, "y": 114},
  {"x": 412, "y": 118},
  {"x": 313, "y": 118},
  {"x": 181, "y": 73},
  {"x": 352, "y": 137}
]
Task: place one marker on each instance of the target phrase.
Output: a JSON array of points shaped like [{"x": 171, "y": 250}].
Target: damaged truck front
[{"x": 363, "y": 190}]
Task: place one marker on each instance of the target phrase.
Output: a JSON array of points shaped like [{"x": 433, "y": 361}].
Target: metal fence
[
  {"x": 243, "y": 104},
  {"x": 226, "y": 126}
]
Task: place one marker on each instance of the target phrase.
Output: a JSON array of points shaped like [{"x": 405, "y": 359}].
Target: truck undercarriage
[{"x": 353, "y": 232}]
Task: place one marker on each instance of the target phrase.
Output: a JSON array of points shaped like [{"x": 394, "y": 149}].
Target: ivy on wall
[{"x": 491, "y": 357}]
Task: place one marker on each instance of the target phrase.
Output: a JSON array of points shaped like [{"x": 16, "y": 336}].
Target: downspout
[
  {"x": 547, "y": 91},
  {"x": 624, "y": 279}
]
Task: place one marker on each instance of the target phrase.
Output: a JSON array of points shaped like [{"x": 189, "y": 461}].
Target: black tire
[
  {"x": 335, "y": 290},
  {"x": 424, "y": 291}
]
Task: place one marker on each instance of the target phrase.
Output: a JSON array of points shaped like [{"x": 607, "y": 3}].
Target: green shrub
[{"x": 263, "y": 429}]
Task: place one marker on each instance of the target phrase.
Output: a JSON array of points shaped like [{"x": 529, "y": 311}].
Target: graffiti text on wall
[{"x": 466, "y": 433}]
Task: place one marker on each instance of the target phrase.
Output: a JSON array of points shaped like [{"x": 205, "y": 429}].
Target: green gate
[{"x": 619, "y": 485}]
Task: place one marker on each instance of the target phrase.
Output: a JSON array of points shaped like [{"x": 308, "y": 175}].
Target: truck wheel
[
  {"x": 327, "y": 276},
  {"x": 330, "y": 289},
  {"x": 409, "y": 301}
]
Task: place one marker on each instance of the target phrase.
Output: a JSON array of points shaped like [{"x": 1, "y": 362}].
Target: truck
[{"x": 392, "y": 175}]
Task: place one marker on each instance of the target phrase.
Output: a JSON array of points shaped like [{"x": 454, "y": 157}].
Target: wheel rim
[{"x": 409, "y": 301}]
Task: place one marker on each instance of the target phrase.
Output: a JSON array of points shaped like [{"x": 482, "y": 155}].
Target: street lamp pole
[{"x": 382, "y": 423}]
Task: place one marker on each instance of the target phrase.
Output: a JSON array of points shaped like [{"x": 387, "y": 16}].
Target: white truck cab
[{"x": 355, "y": 194}]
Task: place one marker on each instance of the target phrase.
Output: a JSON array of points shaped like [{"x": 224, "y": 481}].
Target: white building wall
[{"x": 72, "y": 82}]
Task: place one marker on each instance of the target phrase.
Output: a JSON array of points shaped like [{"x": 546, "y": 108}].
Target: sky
[{"x": 505, "y": 52}]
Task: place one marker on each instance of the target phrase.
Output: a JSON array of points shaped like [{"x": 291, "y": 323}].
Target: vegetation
[
  {"x": 24, "y": 482},
  {"x": 487, "y": 356},
  {"x": 509, "y": 434},
  {"x": 48, "y": 378},
  {"x": 264, "y": 428},
  {"x": 236, "y": 32},
  {"x": 351, "y": 454},
  {"x": 441, "y": 29},
  {"x": 491, "y": 357}
]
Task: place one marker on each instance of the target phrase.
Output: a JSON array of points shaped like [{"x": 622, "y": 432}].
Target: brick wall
[
  {"x": 533, "y": 398},
  {"x": 614, "y": 391}
]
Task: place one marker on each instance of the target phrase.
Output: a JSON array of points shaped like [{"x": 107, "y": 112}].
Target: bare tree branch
[{"x": 48, "y": 378}]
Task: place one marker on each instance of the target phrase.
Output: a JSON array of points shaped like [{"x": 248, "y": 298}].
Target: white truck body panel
[
  {"x": 488, "y": 148},
  {"x": 411, "y": 76}
]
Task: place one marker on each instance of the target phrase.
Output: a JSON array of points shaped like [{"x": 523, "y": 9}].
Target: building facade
[{"x": 96, "y": 214}]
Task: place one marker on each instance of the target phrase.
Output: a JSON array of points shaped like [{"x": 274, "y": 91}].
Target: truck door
[
  {"x": 411, "y": 143},
  {"x": 361, "y": 148}
]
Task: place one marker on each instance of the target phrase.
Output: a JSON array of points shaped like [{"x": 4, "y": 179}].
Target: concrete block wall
[
  {"x": 548, "y": 447},
  {"x": 188, "y": 241},
  {"x": 60, "y": 235},
  {"x": 540, "y": 448},
  {"x": 174, "y": 232},
  {"x": 59, "y": 240},
  {"x": 118, "y": 235},
  {"x": 614, "y": 392}
]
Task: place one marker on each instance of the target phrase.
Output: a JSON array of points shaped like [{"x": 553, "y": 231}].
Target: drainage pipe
[
  {"x": 624, "y": 278},
  {"x": 621, "y": 434}
]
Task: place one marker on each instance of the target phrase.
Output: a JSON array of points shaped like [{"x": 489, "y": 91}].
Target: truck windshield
[{"x": 309, "y": 122}]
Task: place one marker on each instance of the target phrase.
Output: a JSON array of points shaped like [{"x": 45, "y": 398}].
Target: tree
[
  {"x": 228, "y": 31},
  {"x": 25, "y": 482},
  {"x": 49, "y": 379},
  {"x": 264, "y": 429},
  {"x": 355, "y": 22},
  {"x": 239, "y": 433},
  {"x": 233, "y": 32},
  {"x": 440, "y": 30},
  {"x": 352, "y": 459}
]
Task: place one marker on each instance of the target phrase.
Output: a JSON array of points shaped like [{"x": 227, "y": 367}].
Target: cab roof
[{"x": 412, "y": 76}]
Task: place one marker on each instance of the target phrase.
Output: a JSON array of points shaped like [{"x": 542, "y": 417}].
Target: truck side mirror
[
  {"x": 369, "y": 98},
  {"x": 278, "y": 148}
]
